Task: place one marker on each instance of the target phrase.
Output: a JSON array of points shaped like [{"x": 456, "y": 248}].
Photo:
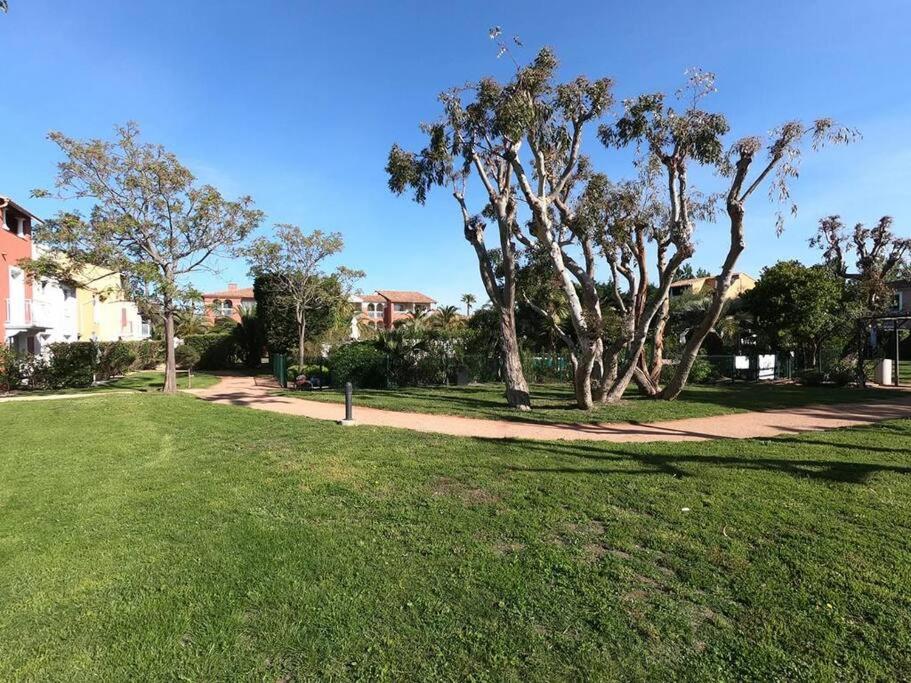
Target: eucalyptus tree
[
  {"x": 150, "y": 221},
  {"x": 295, "y": 262},
  {"x": 878, "y": 254},
  {"x": 464, "y": 144}
]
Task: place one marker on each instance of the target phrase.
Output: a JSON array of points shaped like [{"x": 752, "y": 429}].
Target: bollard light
[{"x": 349, "y": 408}]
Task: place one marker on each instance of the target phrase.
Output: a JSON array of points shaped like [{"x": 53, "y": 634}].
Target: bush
[
  {"x": 186, "y": 357},
  {"x": 147, "y": 353},
  {"x": 843, "y": 373},
  {"x": 216, "y": 351},
  {"x": 113, "y": 359},
  {"x": 310, "y": 370},
  {"x": 811, "y": 378},
  {"x": 360, "y": 363},
  {"x": 703, "y": 372},
  {"x": 10, "y": 369},
  {"x": 70, "y": 364}
]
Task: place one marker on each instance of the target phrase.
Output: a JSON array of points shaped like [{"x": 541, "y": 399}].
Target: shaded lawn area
[
  {"x": 153, "y": 380},
  {"x": 149, "y": 537},
  {"x": 144, "y": 381},
  {"x": 553, "y": 403}
]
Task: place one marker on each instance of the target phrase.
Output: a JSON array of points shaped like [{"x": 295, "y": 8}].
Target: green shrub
[
  {"x": 811, "y": 378},
  {"x": 70, "y": 364},
  {"x": 310, "y": 370},
  {"x": 148, "y": 353},
  {"x": 186, "y": 357},
  {"x": 703, "y": 372},
  {"x": 10, "y": 369},
  {"x": 360, "y": 363},
  {"x": 843, "y": 373},
  {"x": 216, "y": 351},
  {"x": 114, "y": 359}
]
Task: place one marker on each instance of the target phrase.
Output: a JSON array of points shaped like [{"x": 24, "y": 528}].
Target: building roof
[
  {"x": 398, "y": 297},
  {"x": 6, "y": 201},
  {"x": 372, "y": 298},
  {"x": 239, "y": 293},
  {"x": 701, "y": 280}
]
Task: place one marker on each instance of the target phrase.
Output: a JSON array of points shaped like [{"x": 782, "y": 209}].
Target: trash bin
[{"x": 883, "y": 373}]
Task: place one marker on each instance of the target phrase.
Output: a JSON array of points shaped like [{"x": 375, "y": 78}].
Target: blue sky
[{"x": 297, "y": 103}]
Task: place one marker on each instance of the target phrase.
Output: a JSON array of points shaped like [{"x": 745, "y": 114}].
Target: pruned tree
[
  {"x": 295, "y": 262},
  {"x": 151, "y": 221},
  {"x": 466, "y": 143},
  {"x": 878, "y": 255},
  {"x": 677, "y": 139}
]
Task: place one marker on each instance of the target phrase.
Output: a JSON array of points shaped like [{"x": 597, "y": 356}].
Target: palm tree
[
  {"x": 469, "y": 301},
  {"x": 447, "y": 318},
  {"x": 190, "y": 322}
]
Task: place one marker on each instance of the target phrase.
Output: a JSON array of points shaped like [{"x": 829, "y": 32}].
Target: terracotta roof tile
[
  {"x": 239, "y": 293},
  {"x": 400, "y": 297}
]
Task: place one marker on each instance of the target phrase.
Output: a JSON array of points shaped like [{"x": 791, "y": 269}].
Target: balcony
[{"x": 28, "y": 314}]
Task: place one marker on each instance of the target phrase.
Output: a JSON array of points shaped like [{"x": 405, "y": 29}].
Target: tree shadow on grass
[{"x": 674, "y": 464}]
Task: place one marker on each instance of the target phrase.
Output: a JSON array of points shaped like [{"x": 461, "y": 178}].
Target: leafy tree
[
  {"x": 150, "y": 221},
  {"x": 469, "y": 301},
  {"x": 795, "y": 307},
  {"x": 295, "y": 264}
]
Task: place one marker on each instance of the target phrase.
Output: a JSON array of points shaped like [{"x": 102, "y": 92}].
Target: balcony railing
[{"x": 28, "y": 313}]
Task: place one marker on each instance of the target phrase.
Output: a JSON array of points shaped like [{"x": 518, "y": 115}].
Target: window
[
  {"x": 897, "y": 301},
  {"x": 225, "y": 308}
]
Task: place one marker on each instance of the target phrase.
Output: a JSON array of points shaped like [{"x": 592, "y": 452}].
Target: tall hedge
[
  {"x": 70, "y": 364},
  {"x": 360, "y": 363},
  {"x": 216, "y": 351}
]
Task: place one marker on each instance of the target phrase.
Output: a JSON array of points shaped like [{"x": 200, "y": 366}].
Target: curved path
[{"x": 243, "y": 391}]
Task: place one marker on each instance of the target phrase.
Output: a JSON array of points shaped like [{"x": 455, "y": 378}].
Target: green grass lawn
[
  {"x": 145, "y": 537},
  {"x": 146, "y": 380},
  {"x": 554, "y": 402}
]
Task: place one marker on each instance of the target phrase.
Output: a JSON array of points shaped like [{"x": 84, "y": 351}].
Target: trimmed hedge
[
  {"x": 360, "y": 363},
  {"x": 113, "y": 359},
  {"x": 147, "y": 353},
  {"x": 216, "y": 351},
  {"x": 70, "y": 364},
  {"x": 10, "y": 369}
]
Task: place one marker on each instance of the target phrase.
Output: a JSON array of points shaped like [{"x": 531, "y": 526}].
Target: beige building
[
  {"x": 740, "y": 283},
  {"x": 105, "y": 312}
]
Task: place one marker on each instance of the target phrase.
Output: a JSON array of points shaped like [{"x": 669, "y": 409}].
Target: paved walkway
[{"x": 243, "y": 391}]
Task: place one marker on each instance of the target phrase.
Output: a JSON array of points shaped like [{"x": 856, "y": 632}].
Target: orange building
[{"x": 227, "y": 304}]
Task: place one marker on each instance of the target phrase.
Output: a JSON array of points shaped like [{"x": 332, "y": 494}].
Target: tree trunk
[
  {"x": 590, "y": 350},
  {"x": 170, "y": 367},
  {"x": 722, "y": 284},
  {"x": 301, "y": 336},
  {"x": 517, "y": 395}
]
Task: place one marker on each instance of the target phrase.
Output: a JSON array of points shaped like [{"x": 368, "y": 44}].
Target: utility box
[{"x": 883, "y": 373}]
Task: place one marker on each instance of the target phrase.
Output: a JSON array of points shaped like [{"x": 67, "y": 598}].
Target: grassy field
[
  {"x": 144, "y": 381},
  {"x": 145, "y": 537},
  {"x": 554, "y": 402}
]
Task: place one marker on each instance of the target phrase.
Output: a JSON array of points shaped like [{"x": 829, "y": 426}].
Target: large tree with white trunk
[{"x": 464, "y": 145}]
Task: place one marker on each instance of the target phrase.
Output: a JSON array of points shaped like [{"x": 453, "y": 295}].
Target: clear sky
[{"x": 297, "y": 103}]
